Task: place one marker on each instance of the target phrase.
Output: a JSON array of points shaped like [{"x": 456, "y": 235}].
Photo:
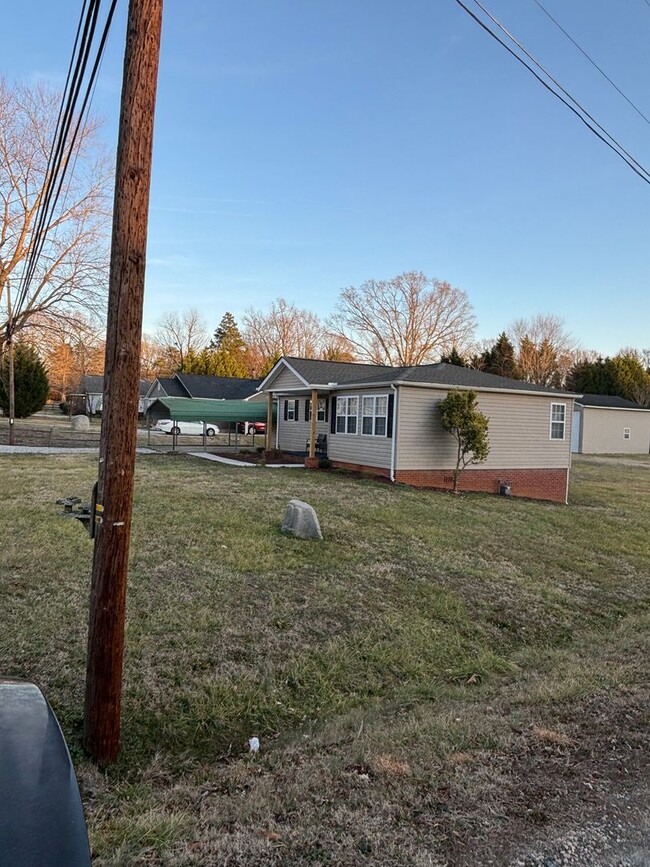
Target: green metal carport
[{"x": 207, "y": 410}]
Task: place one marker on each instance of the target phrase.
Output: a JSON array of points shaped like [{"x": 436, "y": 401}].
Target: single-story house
[
  {"x": 88, "y": 398},
  {"x": 199, "y": 386},
  {"x": 384, "y": 419},
  {"x": 608, "y": 425}
]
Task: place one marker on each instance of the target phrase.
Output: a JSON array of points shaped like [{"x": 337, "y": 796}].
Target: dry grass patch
[{"x": 430, "y": 683}]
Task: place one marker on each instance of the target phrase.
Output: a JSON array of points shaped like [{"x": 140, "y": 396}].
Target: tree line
[
  {"x": 398, "y": 329},
  {"x": 406, "y": 320}
]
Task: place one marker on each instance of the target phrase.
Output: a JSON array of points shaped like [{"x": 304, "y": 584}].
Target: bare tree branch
[
  {"x": 72, "y": 270},
  {"x": 179, "y": 335},
  {"x": 408, "y": 320}
]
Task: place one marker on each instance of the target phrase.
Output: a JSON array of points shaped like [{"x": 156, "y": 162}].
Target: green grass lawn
[{"x": 421, "y": 681}]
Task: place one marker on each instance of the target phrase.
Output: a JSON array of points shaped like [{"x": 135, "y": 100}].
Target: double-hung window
[
  {"x": 291, "y": 410},
  {"x": 321, "y": 411},
  {"x": 347, "y": 410},
  {"x": 626, "y": 433},
  {"x": 374, "y": 414},
  {"x": 558, "y": 420}
]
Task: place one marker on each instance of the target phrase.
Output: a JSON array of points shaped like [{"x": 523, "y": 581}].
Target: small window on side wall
[
  {"x": 291, "y": 410},
  {"x": 558, "y": 420},
  {"x": 626, "y": 433},
  {"x": 321, "y": 412}
]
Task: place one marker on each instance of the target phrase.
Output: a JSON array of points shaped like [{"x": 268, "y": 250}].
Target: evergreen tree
[
  {"x": 623, "y": 376},
  {"x": 31, "y": 386},
  {"x": 453, "y": 357},
  {"x": 500, "y": 359},
  {"x": 228, "y": 349},
  {"x": 592, "y": 377}
]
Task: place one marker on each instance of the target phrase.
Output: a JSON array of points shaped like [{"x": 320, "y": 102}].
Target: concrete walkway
[{"x": 233, "y": 463}]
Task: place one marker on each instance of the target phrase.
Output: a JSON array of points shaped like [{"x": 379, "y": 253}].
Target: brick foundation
[
  {"x": 362, "y": 468},
  {"x": 550, "y": 484}
]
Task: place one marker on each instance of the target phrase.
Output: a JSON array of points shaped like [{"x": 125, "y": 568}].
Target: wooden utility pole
[{"x": 121, "y": 383}]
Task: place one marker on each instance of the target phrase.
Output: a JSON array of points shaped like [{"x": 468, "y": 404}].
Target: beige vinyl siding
[
  {"x": 285, "y": 379},
  {"x": 602, "y": 431},
  {"x": 293, "y": 435},
  {"x": 371, "y": 451},
  {"x": 519, "y": 431}
]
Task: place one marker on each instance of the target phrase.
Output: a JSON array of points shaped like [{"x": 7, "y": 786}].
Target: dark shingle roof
[
  {"x": 95, "y": 385},
  {"x": 172, "y": 387},
  {"x": 322, "y": 372},
  {"x": 91, "y": 384},
  {"x": 350, "y": 373},
  {"x": 608, "y": 401},
  {"x": 217, "y": 387}
]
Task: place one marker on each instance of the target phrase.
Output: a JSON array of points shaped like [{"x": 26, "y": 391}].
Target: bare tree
[
  {"x": 152, "y": 361},
  {"x": 546, "y": 350},
  {"x": 71, "y": 347},
  {"x": 284, "y": 330},
  {"x": 71, "y": 273},
  {"x": 180, "y": 335},
  {"x": 411, "y": 319}
]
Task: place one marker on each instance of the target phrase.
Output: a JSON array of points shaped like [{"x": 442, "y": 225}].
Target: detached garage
[{"x": 607, "y": 425}]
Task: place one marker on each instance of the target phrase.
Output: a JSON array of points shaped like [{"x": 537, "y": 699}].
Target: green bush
[{"x": 31, "y": 386}]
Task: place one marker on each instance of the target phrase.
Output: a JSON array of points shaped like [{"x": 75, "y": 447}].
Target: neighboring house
[
  {"x": 212, "y": 387},
  {"x": 89, "y": 397},
  {"x": 384, "y": 419},
  {"x": 605, "y": 424}
]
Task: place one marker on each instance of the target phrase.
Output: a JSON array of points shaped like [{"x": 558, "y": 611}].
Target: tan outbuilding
[{"x": 609, "y": 425}]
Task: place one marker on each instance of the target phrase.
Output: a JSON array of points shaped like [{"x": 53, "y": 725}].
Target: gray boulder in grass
[
  {"x": 300, "y": 520},
  {"x": 80, "y": 422}
]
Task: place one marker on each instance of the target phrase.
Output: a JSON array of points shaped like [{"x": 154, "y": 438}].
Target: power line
[
  {"x": 87, "y": 23},
  {"x": 63, "y": 144},
  {"x": 578, "y": 110},
  {"x": 557, "y": 84},
  {"x": 593, "y": 62}
]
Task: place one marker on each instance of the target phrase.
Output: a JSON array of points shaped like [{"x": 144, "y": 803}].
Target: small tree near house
[{"x": 462, "y": 419}]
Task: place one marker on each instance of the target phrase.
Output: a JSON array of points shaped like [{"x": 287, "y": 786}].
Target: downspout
[
  {"x": 568, "y": 471},
  {"x": 277, "y": 426},
  {"x": 393, "y": 448}
]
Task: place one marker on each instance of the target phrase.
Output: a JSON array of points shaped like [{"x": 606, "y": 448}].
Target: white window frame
[
  {"x": 374, "y": 415},
  {"x": 321, "y": 409},
  {"x": 627, "y": 433},
  {"x": 558, "y": 421},
  {"x": 291, "y": 410},
  {"x": 347, "y": 415}
]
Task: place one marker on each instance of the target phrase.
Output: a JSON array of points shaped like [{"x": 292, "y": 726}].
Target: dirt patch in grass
[{"x": 439, "y": 681}]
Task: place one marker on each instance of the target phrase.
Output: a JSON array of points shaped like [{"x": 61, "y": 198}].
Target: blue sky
[{"x": 301, "y": 147}]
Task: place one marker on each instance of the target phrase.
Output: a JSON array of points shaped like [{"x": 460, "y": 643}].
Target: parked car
[
  {"x": 166, "y": 425},
  {"x": 250, "y": 427}
]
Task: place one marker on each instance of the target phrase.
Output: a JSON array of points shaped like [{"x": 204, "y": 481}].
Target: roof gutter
[
  {"x": 356, "y": 386},
  {"x": 494, "y": 389}
]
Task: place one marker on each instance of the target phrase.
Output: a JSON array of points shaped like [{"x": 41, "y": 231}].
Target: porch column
[
  {"x": 269, "y": 422},
  {"x": 312, "y": 423}
]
